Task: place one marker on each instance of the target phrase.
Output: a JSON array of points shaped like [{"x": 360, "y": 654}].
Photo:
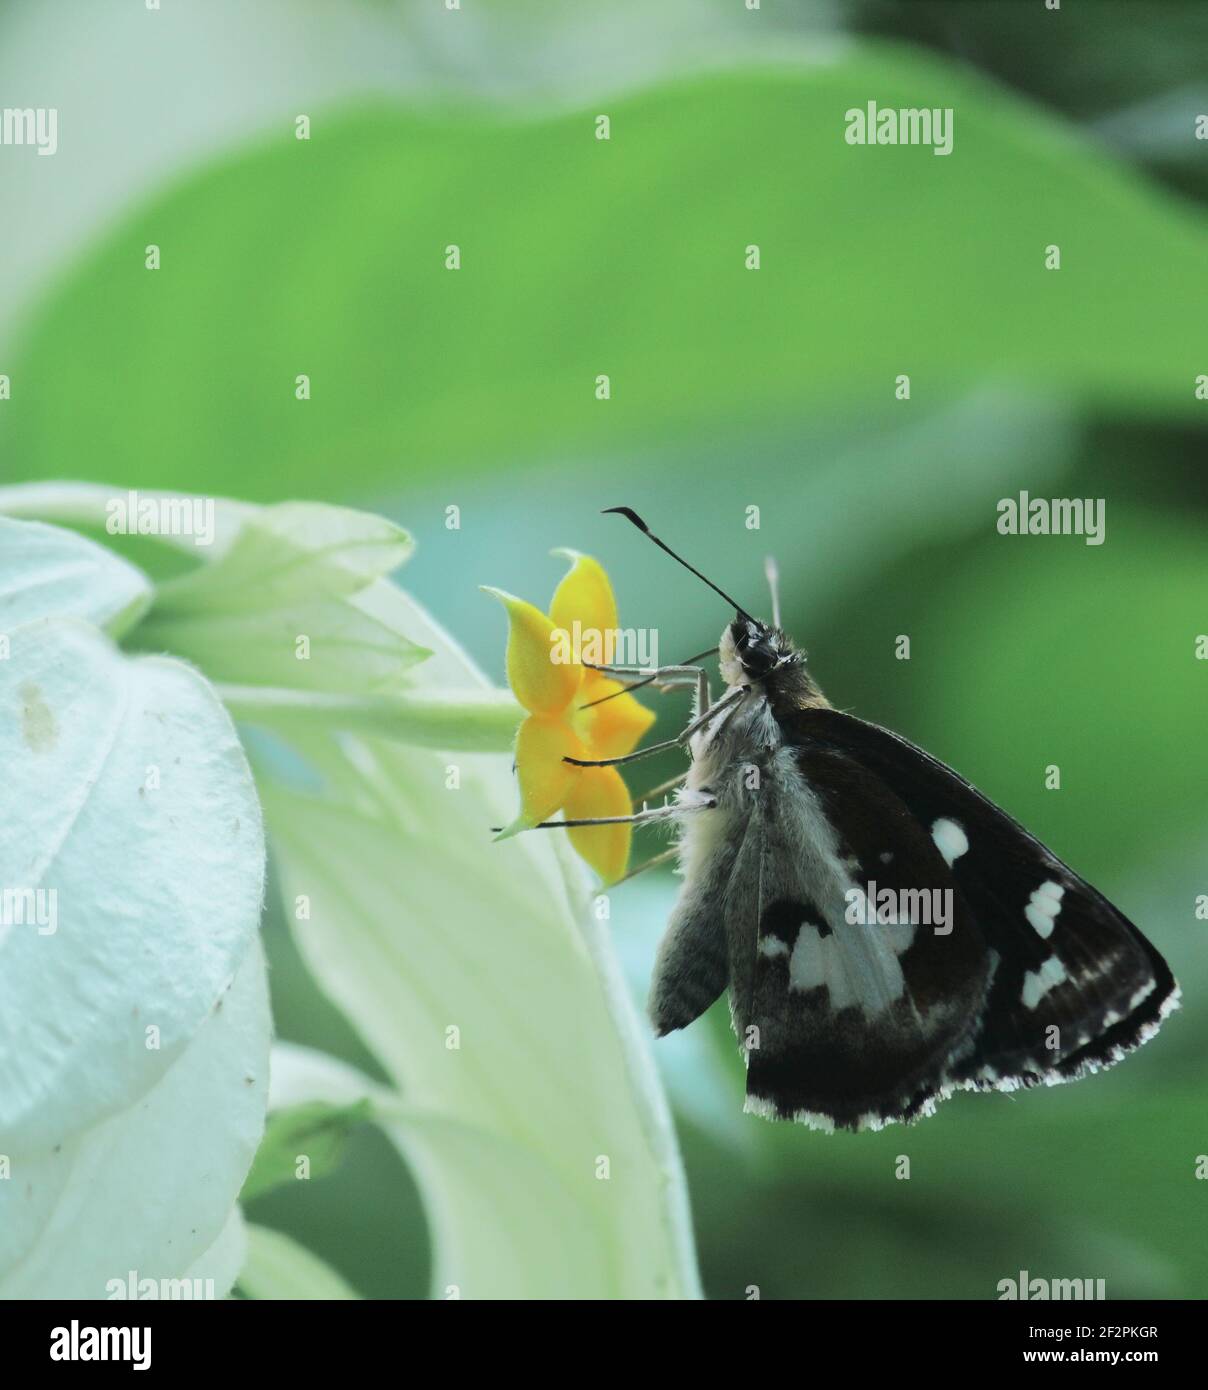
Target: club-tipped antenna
[
  {"x": 631, "y": 515},
  {"x": 772, "y": 570}
]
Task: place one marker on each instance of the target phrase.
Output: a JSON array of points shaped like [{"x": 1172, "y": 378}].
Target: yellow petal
[
  {"x": 600, "y": 791},
  {"x": 541, "y": 671},
  {"x": 617, "y": 726},
  {"x": 585, "y": 596},
  {"x": 545, "y": 780}
]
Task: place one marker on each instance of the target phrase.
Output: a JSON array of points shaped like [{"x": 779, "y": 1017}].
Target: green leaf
[
  {"x": 277, "y": 1267},
  {"x": 49, "y": 572},
  {"x": 417, "y": 370},
  {"x": 316, "y": 1131}
]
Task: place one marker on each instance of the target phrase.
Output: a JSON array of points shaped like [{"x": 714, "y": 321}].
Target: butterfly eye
[{"x": 757, "y": 660}]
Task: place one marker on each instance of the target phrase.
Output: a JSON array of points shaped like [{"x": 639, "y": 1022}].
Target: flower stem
[{"x": 455, "y": 720}]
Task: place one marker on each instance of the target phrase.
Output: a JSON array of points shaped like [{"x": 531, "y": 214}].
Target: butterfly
[{"x": 887, "y": 934}]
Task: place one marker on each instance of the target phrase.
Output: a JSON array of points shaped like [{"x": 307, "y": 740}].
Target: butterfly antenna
[
  {"x": 772, "y": 570},
  {"x": 631, "y": 515}
]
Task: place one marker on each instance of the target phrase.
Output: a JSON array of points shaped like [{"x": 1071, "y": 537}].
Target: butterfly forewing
[{"x": 859, "y": 970}]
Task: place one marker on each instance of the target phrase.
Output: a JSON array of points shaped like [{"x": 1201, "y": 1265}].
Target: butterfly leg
[
  {"x": 694, "y": 675},
  {"x": 651, "y": 673},
  {"x": 664, "y": 858},
  {"x": 648, "y": 673},
  {"x": 662, "y": 787},
  {"x": 665, "y": 677},
  {"x": 726, "y": 702},
  {"x": 646, "y": 816}
]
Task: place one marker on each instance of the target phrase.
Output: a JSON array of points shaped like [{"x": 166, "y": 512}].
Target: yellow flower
[{"x": 564, "y": 719}]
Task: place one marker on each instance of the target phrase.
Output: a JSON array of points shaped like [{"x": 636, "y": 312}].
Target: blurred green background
[{"x": 731, "y": 388}]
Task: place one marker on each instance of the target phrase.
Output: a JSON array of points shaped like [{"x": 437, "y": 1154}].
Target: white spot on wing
[
  {"x": 950, "y": 840},
  {"x": 1043, "y": 907},
  {"x": 818, "y": 960},
  {"x": 1142, "y": 994},
  {"x": 772, "y": 946},
  {"x": 1037, "y": 983},
  {"x": 858, "y": 963}
]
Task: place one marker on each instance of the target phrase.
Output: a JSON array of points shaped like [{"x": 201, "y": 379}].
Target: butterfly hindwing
[
  {"x": 692, "y": 968},
  {"x": 1074, "y": 984}
]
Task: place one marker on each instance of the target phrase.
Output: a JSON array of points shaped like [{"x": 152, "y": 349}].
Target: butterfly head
[{"x": 750, "y": 650}]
